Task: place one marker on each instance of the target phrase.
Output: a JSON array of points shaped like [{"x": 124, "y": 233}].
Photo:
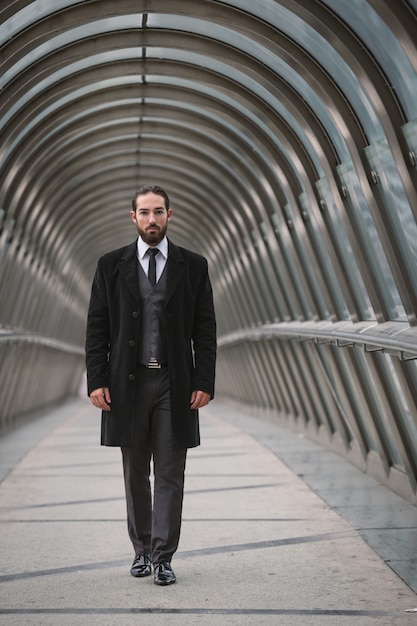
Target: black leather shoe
[
  {"x": 141, "y": 566},
  {"x": 163, "y": 574}
]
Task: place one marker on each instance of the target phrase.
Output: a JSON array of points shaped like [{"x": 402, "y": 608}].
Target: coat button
[
  {"x": 131, "y": 377},
  {"x": 132, "y": 343},
  {"x": 135, "y": 314}
]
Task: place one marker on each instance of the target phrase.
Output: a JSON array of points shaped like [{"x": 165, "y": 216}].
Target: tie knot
[{"x": 153, "y": 251}]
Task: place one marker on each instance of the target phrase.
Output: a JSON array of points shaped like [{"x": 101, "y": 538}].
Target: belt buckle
[{"x": 153, "y": 364}]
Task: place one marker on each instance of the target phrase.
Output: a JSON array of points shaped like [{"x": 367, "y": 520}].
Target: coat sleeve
[
  {"x": 97, "y": 335},
  {"x": 204, "y": 336}
]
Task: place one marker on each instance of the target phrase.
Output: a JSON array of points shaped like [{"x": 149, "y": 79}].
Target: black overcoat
[{"x": 113, "y": 333}]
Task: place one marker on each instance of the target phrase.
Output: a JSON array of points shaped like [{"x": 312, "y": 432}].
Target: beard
[{"x": 152, "y": 238}]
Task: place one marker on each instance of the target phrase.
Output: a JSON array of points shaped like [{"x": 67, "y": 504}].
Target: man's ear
[
  {"x": 169, "y": 213},
  {"x": 133, "y": 216}
]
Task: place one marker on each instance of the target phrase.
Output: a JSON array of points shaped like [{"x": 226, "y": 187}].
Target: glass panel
[
  {"x": 407, "y": 421},
  {"x": 293, "y": 267},
  {"x": 308, "y": 266},
  {"x": 378, "y": 407},
  {"x": 276, "y": 63},
  {"x": 399, "y": 214},
  {"x": 410, "y": 134},
  {"x": 345, "y": 252},
  {"x": 386, "y": 415},
  {"x": 370, "y": 243},
  {"x": 309, "y": 38},
  {"x": 329, "y": 374},
  {"x": 325, "y": 263},
  {"x": 368, "y": 24}
]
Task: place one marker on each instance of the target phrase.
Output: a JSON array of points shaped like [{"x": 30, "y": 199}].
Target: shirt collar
[{"x": 143, "y": 247}]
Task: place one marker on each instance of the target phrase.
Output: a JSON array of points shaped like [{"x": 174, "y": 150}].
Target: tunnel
[{"x": 285, "y": 132}]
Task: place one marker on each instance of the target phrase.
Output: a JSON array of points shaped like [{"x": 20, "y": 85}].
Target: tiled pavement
[{"x": 260, "y": 544}]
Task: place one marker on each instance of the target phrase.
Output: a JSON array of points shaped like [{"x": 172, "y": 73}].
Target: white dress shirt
[{"x": 160, "y": 258}]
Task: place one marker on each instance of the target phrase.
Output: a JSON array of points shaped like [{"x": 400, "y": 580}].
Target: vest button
[
  {"x": 132, "y": 343},
  {"x": 135, "y": 314},
  {"x": 131, "y": 377}
]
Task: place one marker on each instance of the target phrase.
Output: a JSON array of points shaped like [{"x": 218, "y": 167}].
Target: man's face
[{"x": 151, "y": 218}]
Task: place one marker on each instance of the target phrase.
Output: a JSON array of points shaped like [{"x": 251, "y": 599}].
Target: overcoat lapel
[
  {"x": 128, "y": 268},
  {"x": 175, "y": 269}
]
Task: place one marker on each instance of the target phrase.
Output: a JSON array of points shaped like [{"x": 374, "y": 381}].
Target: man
[{"x": 150, "y": 354}]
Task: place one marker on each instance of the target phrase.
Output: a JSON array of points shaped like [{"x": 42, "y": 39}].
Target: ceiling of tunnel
[{"x": 235, "y": 107}]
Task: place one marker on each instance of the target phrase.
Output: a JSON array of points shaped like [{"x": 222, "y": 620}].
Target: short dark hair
[{"x": 142, "y": 191}]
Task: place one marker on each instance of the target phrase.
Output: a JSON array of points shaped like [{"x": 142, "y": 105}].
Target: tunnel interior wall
[{"x": 286, "y": 135}]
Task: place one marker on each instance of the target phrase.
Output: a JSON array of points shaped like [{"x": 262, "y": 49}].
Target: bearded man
[{"x": 150, "y": 355}]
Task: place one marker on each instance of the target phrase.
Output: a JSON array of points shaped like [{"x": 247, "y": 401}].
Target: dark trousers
[{"x": 154, "y": 528}]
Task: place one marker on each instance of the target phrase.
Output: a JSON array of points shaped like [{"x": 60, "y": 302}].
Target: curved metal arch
[
  {"x": 194, "y": 160},
  {"x": 313, "y": 27},
  {"x": 103, "y": 175},
  {"x": 156, "y": 34},
  {"x": 279, "y": 11},
  {"x": 393, "y": 47},
  {"x": 268, "y": 316},
  {"x": 196, "y": 187},
  {"x": 223, "y": 130},
  {"x": 54, "y": 156},
  {"x": 193, "y": 157}
]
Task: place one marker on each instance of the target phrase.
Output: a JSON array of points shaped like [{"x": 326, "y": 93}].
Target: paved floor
[{"x": 260, "y": 544}]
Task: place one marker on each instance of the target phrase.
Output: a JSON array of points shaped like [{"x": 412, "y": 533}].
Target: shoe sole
[
  {"x": 164, "y": 583},
  {"x": 136, "y": 575}
]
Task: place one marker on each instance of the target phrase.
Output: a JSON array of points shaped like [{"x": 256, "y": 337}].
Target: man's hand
[
  {"x": 199, "y": 399},
  {"x": 101, "y": 398}
]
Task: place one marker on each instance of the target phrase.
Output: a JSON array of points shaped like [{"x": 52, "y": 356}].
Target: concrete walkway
[{"x": 259, "y": 545}]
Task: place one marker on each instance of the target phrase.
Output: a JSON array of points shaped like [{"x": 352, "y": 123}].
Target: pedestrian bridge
[{"x": 285, "y": 132}]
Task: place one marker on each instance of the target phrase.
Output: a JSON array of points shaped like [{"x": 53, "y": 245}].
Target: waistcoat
[{"x": 152, "y": 336}]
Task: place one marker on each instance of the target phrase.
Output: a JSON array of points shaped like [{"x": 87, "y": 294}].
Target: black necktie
[{"x": 152, "y": 265}]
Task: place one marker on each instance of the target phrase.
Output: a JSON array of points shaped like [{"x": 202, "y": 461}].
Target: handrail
[
  {"x": 19, "y": 337},
  {"x": 398, "y": 338}
]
